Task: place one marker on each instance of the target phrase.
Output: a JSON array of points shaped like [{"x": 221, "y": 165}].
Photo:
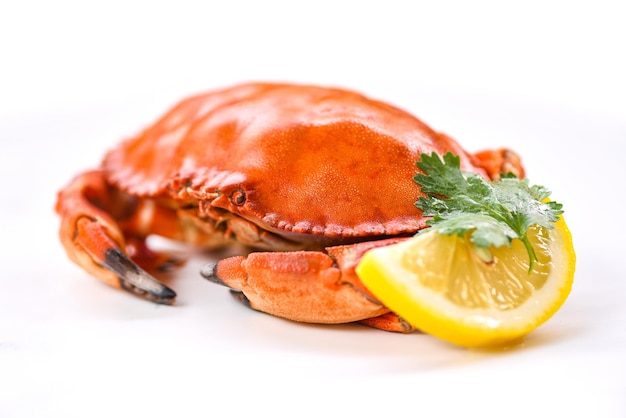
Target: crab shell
[
  {"x": 300, "y": 161},
  {"x": 276, "y": 167}
]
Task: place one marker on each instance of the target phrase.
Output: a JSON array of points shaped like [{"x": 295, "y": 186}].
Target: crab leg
[
  {"x": 306, "y": 286},
  {"x": 93, "y": 239},
  {"x": 500, "y": 161}
]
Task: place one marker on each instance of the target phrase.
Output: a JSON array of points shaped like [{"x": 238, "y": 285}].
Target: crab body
[{"x": 310, "y": 176}]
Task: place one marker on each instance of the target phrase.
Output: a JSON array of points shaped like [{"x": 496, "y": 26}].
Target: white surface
[{"x": 545, "y": 80}]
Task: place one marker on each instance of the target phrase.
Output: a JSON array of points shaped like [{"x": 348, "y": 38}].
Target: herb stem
[{"x": 532, "y": 256}]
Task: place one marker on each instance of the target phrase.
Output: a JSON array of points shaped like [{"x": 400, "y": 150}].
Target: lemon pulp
[{"x": 470, "y": 296}]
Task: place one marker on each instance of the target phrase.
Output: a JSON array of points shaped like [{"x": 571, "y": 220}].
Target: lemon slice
[{"x": 473, "y": 297}]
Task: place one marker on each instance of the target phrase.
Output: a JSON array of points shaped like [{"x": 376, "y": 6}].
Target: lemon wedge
[{"x": 473, "y": 297}]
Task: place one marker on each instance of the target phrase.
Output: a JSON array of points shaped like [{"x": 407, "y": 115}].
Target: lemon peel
[{"x": 443, "y": 286}]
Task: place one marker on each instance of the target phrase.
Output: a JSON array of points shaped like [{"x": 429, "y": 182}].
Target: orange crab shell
[{"x": 295, "y": 159}]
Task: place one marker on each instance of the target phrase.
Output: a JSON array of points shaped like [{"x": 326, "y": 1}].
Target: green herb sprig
[{"x": 497, "y": 212}]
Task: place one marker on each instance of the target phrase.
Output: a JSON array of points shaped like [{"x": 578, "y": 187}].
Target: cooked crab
[{"x": 307, "y": 177}]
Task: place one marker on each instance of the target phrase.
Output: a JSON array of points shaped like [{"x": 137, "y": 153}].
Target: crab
[{"x": 306, "y": 178}]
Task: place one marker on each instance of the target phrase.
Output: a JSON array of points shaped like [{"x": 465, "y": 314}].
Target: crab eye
[{"x": 238, "y": 197}]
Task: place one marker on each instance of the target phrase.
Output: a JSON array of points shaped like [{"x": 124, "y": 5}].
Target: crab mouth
[
  {"x": 253, "y": 233},
  {"x": 249, "y": 232}
]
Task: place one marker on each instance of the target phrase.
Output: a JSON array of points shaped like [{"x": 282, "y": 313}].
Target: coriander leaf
[
  {"x": 496, "y": 212},
  {"x": 487, "y": 230}
]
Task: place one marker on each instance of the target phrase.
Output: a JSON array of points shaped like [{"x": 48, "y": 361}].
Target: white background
[{"x": 544, "y": 78}]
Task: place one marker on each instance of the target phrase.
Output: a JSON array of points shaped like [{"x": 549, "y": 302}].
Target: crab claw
[
  {"x": 93, "y": 240},
  {"x": 306, "y": 286},
  {"x": 301, "y": 286}
]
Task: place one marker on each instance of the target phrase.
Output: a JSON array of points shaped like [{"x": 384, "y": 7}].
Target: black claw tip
[
  {"x": 241, "y": 298},
  {"x": 209, "y": 272},
  {"x": 165, "y": 297},
  {"x": 137, "y": 281}
]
